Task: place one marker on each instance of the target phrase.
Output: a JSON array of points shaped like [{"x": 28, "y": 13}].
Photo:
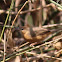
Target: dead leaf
[
  {"x": 58, "y": 45},
  {"x": 10, "y": 41}
]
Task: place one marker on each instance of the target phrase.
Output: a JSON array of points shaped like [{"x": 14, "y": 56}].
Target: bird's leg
[{"x": 32, "y": 44}]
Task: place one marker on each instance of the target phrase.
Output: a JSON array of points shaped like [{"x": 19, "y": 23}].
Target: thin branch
[
  {"x": 18, "y": 13},
  {"x": 45, "y": 26},
  {"x": 26, "y": 11},
  {"x": 55, "y": 3},
  {"x": 4, "y": 46},
  {"x": 58, "y": 52},
  {"x": 52, "y": 25},
  {"x": 6, "y": 20},
  {"x": 42, "y": 55}
]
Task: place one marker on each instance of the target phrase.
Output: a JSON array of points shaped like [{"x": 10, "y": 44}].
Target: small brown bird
[{"x": 35, "y": 34}]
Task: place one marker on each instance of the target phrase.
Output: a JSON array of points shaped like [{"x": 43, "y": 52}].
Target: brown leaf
[
  {"x": 10, "y": 41},
  {"x": 58, "y": 45}
]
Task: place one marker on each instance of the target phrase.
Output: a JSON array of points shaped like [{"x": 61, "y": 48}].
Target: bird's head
[{"x": 24, "y": 30}]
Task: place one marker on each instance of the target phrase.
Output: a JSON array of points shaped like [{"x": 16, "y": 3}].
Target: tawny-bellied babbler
[{"x": 35, "y": 34}]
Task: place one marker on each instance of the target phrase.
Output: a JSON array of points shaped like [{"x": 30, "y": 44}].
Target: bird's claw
[{"x": 31, "y": 45}]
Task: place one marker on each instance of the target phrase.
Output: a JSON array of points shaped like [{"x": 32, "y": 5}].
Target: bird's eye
[{"x": 22, "y": 29}]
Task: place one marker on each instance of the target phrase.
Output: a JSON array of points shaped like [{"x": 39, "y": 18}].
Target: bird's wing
[{"x": 42, "y": 31}]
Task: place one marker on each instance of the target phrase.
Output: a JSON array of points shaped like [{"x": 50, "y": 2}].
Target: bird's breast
[{"x": 29, "y": 38}]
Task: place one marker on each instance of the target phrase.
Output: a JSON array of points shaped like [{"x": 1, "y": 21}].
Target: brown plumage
[{"x": 35, "y": 34}]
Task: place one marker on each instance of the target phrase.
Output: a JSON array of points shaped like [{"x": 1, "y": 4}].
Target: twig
[
  {"x": 6, "y": 20},
  {"x": 22, "y": 12},
  {"x": 42, "y": 55},
  {"x": 32, "y": 49},
  {"x": 55, "y": 3},
  {"x": 45, "y": 26},
  {"x": 26, "y": 11},
  {"x": 58, "y": 52},
  {"x": 24, "y": 44},
  {"x": 18, "y": 13},
  {"x": 4, "y": 46},
  {"x": 52, "y": 25}
]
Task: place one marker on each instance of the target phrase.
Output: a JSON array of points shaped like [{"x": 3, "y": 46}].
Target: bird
[{"x": 35, "y": 34}]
